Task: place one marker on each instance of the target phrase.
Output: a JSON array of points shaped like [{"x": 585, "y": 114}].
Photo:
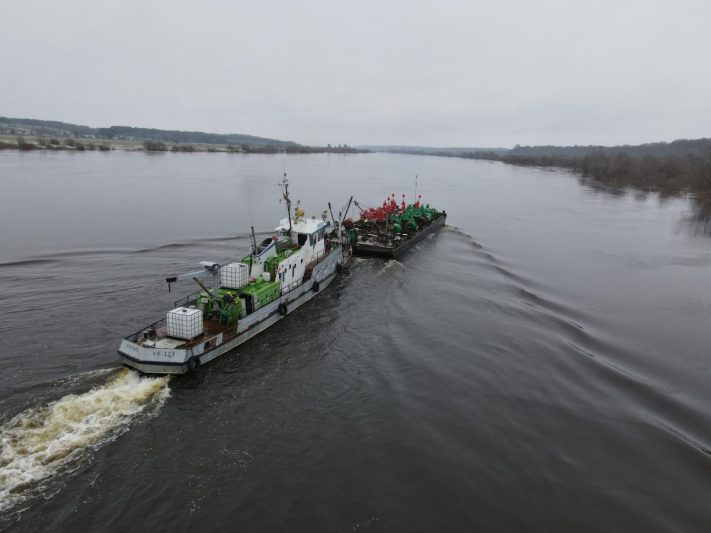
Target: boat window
[{"x": 302, "y": 239}]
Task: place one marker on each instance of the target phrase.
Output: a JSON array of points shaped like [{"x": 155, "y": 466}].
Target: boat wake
[
  {"x": 55, "y": 257},
  {"x": 390, "y": 263},
  {"x": 41, "y": 442}
]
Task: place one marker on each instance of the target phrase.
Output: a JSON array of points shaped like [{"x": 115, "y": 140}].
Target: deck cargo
[
  {"x": 234, "y": 275},
  {"x": 184, "y": 323},
  {"x": 262, "y": 293},
  {"x": 391, "y": 229}
]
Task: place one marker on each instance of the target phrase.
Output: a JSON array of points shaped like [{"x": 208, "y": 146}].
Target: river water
[{"x": 540, "y": 364}]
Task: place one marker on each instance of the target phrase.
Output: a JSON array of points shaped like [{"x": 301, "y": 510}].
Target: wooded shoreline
[{"x": 677, "y": 168}]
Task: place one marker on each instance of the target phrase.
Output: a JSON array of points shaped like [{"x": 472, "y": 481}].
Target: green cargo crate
[{"x": 262, "y": 293}]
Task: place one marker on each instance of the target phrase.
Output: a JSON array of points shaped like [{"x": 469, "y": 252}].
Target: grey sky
[{"x": 441, "y": 73}]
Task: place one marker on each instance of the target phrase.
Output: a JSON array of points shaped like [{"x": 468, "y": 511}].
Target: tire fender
[{"x": 193, "y": 363}]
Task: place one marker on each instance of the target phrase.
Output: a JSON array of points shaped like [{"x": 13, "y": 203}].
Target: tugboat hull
[{"x": 182, "y": 360}]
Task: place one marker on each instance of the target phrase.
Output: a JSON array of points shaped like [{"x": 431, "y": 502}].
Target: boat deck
[
  {"x": 156, "y": 335},
  {"x": 210, "y": 329}
]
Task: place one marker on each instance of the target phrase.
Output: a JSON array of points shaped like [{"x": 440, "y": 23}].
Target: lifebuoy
[
  {"x": 283, "y": 309},
  {"x": 193, "y": 363},
  {"x": 315, "y": 286}
]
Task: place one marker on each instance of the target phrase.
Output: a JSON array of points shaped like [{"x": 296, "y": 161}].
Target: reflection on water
[
  {"x": 604, "y": 189},
  {"x": 698, "y": 222},
  {"x": 695, "y": 217}
]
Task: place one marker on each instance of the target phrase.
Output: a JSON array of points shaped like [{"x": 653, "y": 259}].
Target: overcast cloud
[{"x": 466, "y": 73}]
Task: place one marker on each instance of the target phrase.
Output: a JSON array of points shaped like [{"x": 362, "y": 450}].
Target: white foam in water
[
  {"x": 389, "y": 264},
  {"x": 38, "y": 442}
]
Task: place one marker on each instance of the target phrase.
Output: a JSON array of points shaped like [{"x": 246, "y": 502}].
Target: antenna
[
  {"x": 345, "y": 213},
  {"x": 254, "y": 243},
  {"x": 341, "y": 217},
  {"x": 285, "y": 193},
  {"x": 331, "y": 211}
]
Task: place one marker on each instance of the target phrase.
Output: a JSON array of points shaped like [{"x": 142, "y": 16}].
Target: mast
[
  {"x": 285, "y": 192},
  {"x": 254, "y": 251},
  {"x": 254, "y": 242}
]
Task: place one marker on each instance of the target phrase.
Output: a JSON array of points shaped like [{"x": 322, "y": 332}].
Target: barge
[{"x": 391, "y": 230}]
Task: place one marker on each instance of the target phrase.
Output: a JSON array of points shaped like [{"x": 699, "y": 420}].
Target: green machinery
[
  {"x": 259, "y": 293},
  {"x": 228, "y": 306},
  {"x": 414, "y": 217}
]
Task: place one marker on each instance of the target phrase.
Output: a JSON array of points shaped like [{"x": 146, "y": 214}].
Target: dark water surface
[{"x": 542, "y": 364}]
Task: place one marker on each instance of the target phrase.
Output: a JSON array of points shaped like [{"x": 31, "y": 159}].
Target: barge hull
[{"x": 370, "y": 250}]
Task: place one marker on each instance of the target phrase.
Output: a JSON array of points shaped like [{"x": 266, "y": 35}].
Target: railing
[
  {"x": 291, "y": 286},
  {"x": 320, "y": 256},
  {"x": 154, "y": 326},
  {"x": 183, "y": 302}
]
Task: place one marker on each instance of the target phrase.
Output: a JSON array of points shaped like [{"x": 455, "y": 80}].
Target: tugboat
[
  {"x": 390, "y": 230},
  {"x": 279, "y": 275}
]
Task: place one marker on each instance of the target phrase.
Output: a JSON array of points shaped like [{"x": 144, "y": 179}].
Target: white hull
[{"x": 152, "y": 360}]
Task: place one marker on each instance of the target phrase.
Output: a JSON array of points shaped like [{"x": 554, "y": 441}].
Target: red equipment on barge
[{"x": 389, "y": 230}]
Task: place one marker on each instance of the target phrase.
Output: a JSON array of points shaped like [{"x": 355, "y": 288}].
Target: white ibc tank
[
  {"x": 184, "y": 323},
  {"x": 234, "y": 276}
]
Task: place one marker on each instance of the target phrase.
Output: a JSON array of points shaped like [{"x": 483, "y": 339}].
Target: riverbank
[
  {"x": 30, "y": 143},
  {"x": 689, "y": 174},
  {"x": 677, "y": 168},
  {"x": 32, "y": 134}
]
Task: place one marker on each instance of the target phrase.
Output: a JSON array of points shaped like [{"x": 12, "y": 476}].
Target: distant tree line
[
  {"x": 183, "y": 148},
  {"x": 683, "y": 167},
  {"x": 153, "y": 140},
  {"x": 297, "y": 149},
  {"x": 42, "y": 143},
  {"x": 50, "y": 128},
  {"x": 660, "y": 149},
  {"x": 669, "y": 174},
  {"x": 671, "y": 168},
  {"x": 155, "y": 146},
  {"x": 191, "y": 137},
  {"x": 160, "y": 146}
]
